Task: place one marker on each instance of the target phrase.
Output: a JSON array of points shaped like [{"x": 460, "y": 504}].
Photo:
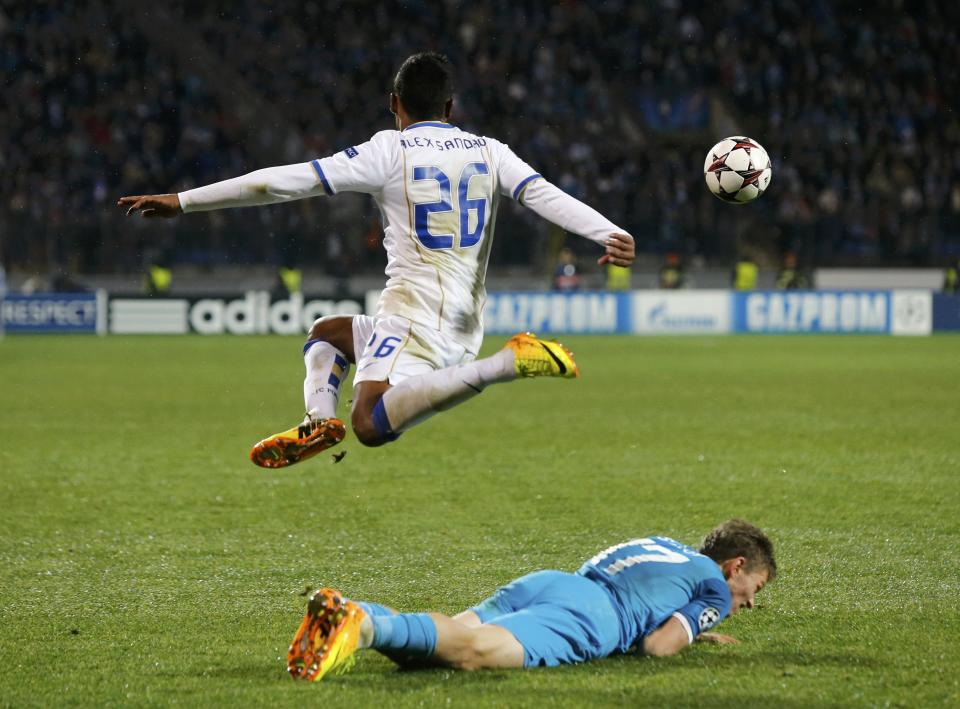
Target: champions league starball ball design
[{"x": 737, "y": 170}]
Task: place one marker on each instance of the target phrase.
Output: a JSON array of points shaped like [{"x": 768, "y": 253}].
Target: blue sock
[
  {"x": 374, "y": 609},
  {"x": 412, "y": 633},
  {"x": 382, "y": 423}
]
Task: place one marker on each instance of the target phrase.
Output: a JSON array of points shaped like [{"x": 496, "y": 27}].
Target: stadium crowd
[{"x": 616, "y": 102}]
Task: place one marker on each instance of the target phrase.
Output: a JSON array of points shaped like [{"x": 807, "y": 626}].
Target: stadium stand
[{"x": 615, "y": 102}]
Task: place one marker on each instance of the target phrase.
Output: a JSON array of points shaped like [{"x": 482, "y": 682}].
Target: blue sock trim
[
  {"x": 310, "y": 343},
  {"x": 333, "y": 380},
  {"x": 374, "y": 609},
  {"x": 340, "y": 361},
  {"x": 382, "y": 423},
  {"x": 413, "y": 633}
]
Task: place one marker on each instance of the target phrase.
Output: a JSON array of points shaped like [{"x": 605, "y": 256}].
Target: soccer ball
[{"x": 737, "y": 170}]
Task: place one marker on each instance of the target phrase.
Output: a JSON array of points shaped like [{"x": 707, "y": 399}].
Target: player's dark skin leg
[{"x": 338, "y": 331}]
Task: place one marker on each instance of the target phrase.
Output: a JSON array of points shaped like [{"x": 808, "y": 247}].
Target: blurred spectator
[
  {"x": 951, "y": 278},
  {"x": 289, "y": 281},
  {"x": 745, "y": 274},
  {"x": 790, "y": 277},
  {"x": 672, "y": 274},
  {"x": 618, "y": 277},
  {"x": 565, "y": 277},
  {"x": 34, "y": 284},
  {"x": 158, "y": 280}
]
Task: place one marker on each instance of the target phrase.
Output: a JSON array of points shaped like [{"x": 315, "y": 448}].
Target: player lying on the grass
[
  {"x": 438, "y": 188},
  {"x": 653, "y": 594}
]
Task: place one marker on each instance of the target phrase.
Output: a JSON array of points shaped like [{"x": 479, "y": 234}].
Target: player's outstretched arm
[
  {"x": 268, "y": 186},
  {"x": 667, "y": 641},
  {"x": 521, "y": 182},
  {"x": 570, "y": 214}
]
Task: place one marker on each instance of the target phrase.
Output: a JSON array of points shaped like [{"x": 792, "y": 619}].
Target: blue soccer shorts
[{"x": 558, "y": 618}]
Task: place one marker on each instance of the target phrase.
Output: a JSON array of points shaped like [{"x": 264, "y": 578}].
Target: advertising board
[
  {"x": 252, "y": 314},
  {"x": 53, "y": 312},
  {"x": 556, "y": 313},
  {"x": 681, "y": 312}
]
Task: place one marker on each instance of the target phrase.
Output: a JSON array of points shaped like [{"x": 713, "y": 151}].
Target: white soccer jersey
[{"x": 438, "y": 188}]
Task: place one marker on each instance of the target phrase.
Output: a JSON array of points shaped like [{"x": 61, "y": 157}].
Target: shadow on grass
[
  {"x": 376, "y": 669},
  {"x": 727, "y": 677},
  {"x": 580, "y": 686},
  {"x": 629, "y": 667},
  {"x": 774, "y": 661}
]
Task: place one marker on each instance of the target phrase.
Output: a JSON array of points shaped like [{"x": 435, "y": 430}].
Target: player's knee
[
  {"x": 336, "y": 330},
  {"x": 326, "y": 328},
  {"x": 365, "y": 430}
]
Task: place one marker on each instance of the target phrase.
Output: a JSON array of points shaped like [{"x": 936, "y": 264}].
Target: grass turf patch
[{"x": 144, "y": 560}]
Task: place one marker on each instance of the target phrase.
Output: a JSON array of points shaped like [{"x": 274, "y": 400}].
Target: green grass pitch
[{"x": 145, "y": 561}]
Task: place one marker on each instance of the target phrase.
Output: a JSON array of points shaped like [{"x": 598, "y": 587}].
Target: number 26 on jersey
[{"x": 460, "y": 227}]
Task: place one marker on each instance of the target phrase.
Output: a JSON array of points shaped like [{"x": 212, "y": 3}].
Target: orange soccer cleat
[
  {"x": 299, "y": 443},
  {"x": 327, "y": 638},
  {"x": 534, "y": 357}
]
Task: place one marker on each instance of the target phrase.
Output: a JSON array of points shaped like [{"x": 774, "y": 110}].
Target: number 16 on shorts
[
  {"x": 378, "y": 344},
  {"x": 386, "y": 347},
  {"x": 395, "y": 348}
]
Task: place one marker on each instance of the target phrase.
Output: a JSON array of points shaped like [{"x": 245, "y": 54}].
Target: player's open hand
[
  {"x": 620, "y": 250},
  {"x": 152, "y": 205}
]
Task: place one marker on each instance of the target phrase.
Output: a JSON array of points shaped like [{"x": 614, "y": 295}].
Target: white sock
[
  {"x": 327, "y": 367},
  {"x": 366, "y": 633},
  {"x": 416, "y": 399}
]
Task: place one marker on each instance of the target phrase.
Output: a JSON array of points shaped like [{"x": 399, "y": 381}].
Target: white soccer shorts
[{"x": 395, "y": 348}]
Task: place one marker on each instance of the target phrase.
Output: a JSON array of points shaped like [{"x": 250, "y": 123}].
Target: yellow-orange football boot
[
  {"x": 327, "y": 637},
  {"x": 534, "y": 357},
  {"x": 299, "y": 443}
]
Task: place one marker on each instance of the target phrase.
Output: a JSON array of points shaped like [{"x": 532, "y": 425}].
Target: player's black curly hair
[
  {"x": 737, "y": 537},
  {"x": 424, "y": 84}
]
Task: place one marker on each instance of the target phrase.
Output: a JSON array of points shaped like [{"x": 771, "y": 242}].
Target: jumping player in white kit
[{"x": 438, "y": 189}]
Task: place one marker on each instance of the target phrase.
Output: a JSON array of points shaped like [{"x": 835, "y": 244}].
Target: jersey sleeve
[
  {"x": 361, "y": 168},
  {"x": 711, "y": 604},
  {"x": 513, "y": 174},
  {"x": 270, "y": 185},
  {"x": 567, "y": 212}
]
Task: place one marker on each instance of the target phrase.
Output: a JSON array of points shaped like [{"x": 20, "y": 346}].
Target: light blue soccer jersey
[{"x": 654, "y": 578}]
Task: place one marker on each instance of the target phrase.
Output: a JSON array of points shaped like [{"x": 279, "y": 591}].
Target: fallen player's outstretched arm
[
  {"x": 570, "y": 214},
  {"x": 267, "y": 186},
  {"x": 671, "y": 637}
]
